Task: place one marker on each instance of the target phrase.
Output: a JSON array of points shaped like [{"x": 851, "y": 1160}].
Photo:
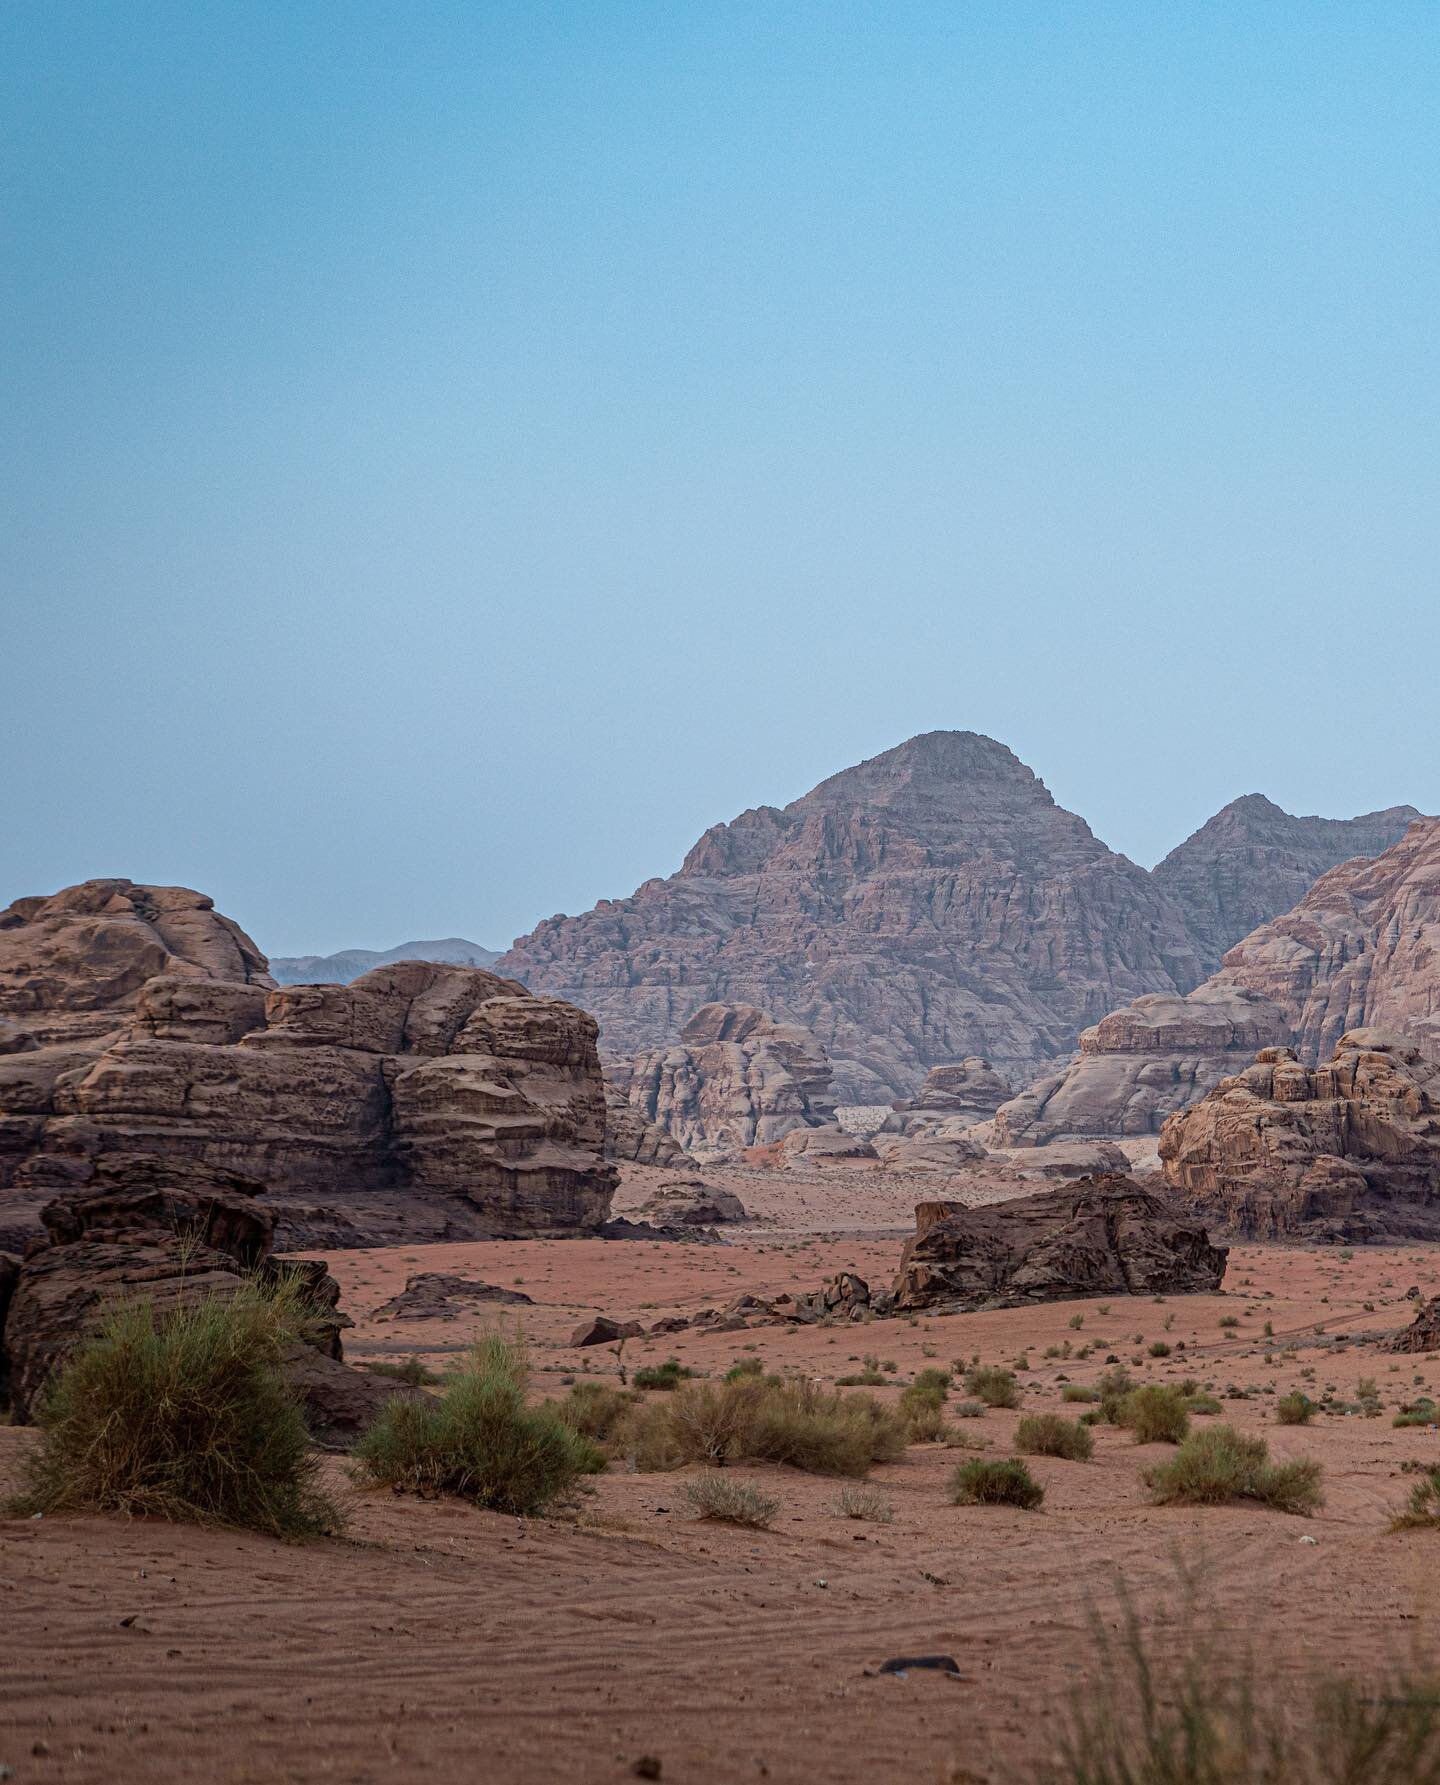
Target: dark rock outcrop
[
  {"x": 1423, "y": 1332},
  {"x": 691, "y": 1202},
  {"x": 422, "y": 1100},
  {"x": 1252, "y": 861},
  {"x": 1100, "y": 1236},
  {"x": 1348, "y": 1151},
  {"x": 171, "y": 1238},
  {"x": 432, "y": 1295},
  {"x": 928, "y": 905}
]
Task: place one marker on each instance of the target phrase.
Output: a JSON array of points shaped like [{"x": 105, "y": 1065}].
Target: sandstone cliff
[
  {"x": 420, "y": 1101},
  {"x": 928, "y": 905},
  {"x": 1345, "y": 1151},
  {"x": 1252, "y": 861},
  {"x": 1362, "y": 948},
  {"x": 736, "y": 1078}
]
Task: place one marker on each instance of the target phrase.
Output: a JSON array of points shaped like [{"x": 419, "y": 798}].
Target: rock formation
[
  {"x": 350, "y": 963},
  {"x": 630, "y": 1134},
  {"x": 960, "y": 1094},
  {"x": 1253, "y": 860},
  {"x": 691, "y": 1202},
  {"x": 419, "y": 1101},
  {"x": 1100, "y": 1236},
  {"x": 1348, "y": 1151},
  {"x": 434, "y": 1295},
  {"x": 1140, "y": 1064},
  {"x": 1423, "y": 1332},
  {"x": 172, "y": 1237},
  {"x": 736, "y": 1078},
  {"x": 1361, "y": 949},
  {"x": 931, "y": 904}
]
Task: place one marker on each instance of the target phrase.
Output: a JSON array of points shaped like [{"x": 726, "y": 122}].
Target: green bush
[
  {"x": 1112, "y": 1388},
  {"x": 1155, "y": 1415},
  {"x": 184, "y": 1415},
  {"x": 764, "y": 1419},
  {"x": 747, "y": 1366},
  {"x": 595, "y": 1409},
  {"x": 1002, "y": 1482},
  {"x": 1221, "y": 1464},
  {"x": 481, "y": 1440},
  {"x": 1295, "y": 1409},
  {"x": 1048, "y": 1435},
  {"x": 932, "y": 1382},
  {"x": 668, "y": 1375},
  {"x": 731, "y": 1502},
  {"x": 1422, "y": 1510},
  {"x": 995, "y": 1386},
  {"x": 1420, "y": 1412},
  {"x": 1074, "y": 1392}
]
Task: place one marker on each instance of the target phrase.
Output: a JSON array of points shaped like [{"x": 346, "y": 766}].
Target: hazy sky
[{"x": 453, "y": 453}]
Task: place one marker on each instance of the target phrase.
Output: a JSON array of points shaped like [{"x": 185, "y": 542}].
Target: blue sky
[{"x": 452, "y": 454}]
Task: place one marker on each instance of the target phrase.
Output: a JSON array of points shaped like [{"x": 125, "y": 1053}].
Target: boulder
[
  {"x": 432, "y": 1295},
  {"x": 1100, "y": 1236},
  {"x": 1348, "y": 1151},
  {"x": 602, "y": 1330},
  {"x": 968, "y": 1090},
  {"x": 830, "y": 1145},
  {"x": 691, "y": 1202}
]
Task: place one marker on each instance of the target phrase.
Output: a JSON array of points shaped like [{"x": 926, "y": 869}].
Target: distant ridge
[{"x": 350, "y": 963}]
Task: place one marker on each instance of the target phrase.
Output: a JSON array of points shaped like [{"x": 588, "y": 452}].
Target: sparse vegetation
[
  {"x": 481, "y": 1440},
  {"x": 1220, "y": 1464},
  {"x": 185, "y": 1415},
  {"x": 414, "y": 1372},
  {"x": 993, "y": 1385},
  {"x": 1074, "y": 1392},
  {"x": 594, "y": 1409},
  {"x": 666, "y": 1376},
  {"x": 731, "y": 1502},
  {"x": 763, "y": 1419},
  {"x": 1421, "y": 1412},
  {"x": 1048, "y": 1435},
  {"x": 1212, "y": 1716},
  {"x": 1295, "y": 1409},
  {"x": 866, "y": 1503},
  {"x": 1155, "y": 1414},
  {"x": 1422, "y": 1509},
  {"x": 1004, "y": 1481}
]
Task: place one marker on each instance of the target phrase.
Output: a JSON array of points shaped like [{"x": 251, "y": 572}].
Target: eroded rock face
[
  {"x": 1252, "y": 861},
  {"x": 964, "y": 1092},
  {"x": 691, "y": 1202},
  {"x": 736, "y": 1078},
  {"x": 1423, "y": 1332},
  {"x": 73, "y": 965},
  {"x": 423, "y": 1099},
  {"x": 1347, "y": 1151},
  {"x": 630, "y": 1134},
  {"x": 926, "y": 906},
  {"x": 1100, "y": 1236},
  {"x": 1361, "y": 949},
  {"x": 1138, "y": 1065}
]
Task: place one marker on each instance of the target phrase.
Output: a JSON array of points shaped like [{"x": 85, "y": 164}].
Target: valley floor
[{"x": 441, "y": 1643}]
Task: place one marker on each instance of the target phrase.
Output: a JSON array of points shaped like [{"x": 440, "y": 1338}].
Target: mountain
[
  {"x": 1361, "y": 949},
  {"x": 927, "y": 905},
  {"x": 1252, "y": 861},
  {"x": 350, "y": 963}
]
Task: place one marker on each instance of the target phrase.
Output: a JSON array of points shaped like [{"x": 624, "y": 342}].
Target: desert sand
[{"x": 436, "y": 1641}]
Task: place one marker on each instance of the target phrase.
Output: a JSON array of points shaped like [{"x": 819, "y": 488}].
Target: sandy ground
[{"x": 444, "y": 1643}]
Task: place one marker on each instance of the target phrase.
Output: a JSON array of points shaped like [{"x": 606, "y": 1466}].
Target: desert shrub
[
  {"x": 595, "y": 1409},
  {"x": 924, "y": 1422},
  {"x": 1112, "y": 1388},
  {"x": 668, "y": 1375},
  {"x": 764, "y": 1419},
  {"x": 414, "y": 1372},
  {"x": 866, "y": 1503},
  {"x": 1197, "y": 1401},
  {"x": 1048, "y": 1435},
  {"x": 481, "y": 1439},
  {"x": 1004, "y": 1481},
  {"x": 1418, "y": 1413},
  {"x": 747, "y": 1366},
  {"x": 1422, "y": 1509},
  {"x": 1073, "y": 1391},
  {"x": 969, "y": 1410},
  {"x": 1210, "y": 1715},
  {"x": 1159, "y": 1348},
  {"x": 995, "y": 1386},
  {"x": 184, "y": 1415},
  {"x": 1155, "y": 1415},
  {"x": 731, "y": 1502},
  {"x": 934, "y": 1382},
  {"x": 1221, "y": 1464},
  {"x": 1294, "y": 1409}
]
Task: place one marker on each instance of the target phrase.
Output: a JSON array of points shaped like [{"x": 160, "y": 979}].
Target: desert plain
[{"x": 438, "y": 1641}]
